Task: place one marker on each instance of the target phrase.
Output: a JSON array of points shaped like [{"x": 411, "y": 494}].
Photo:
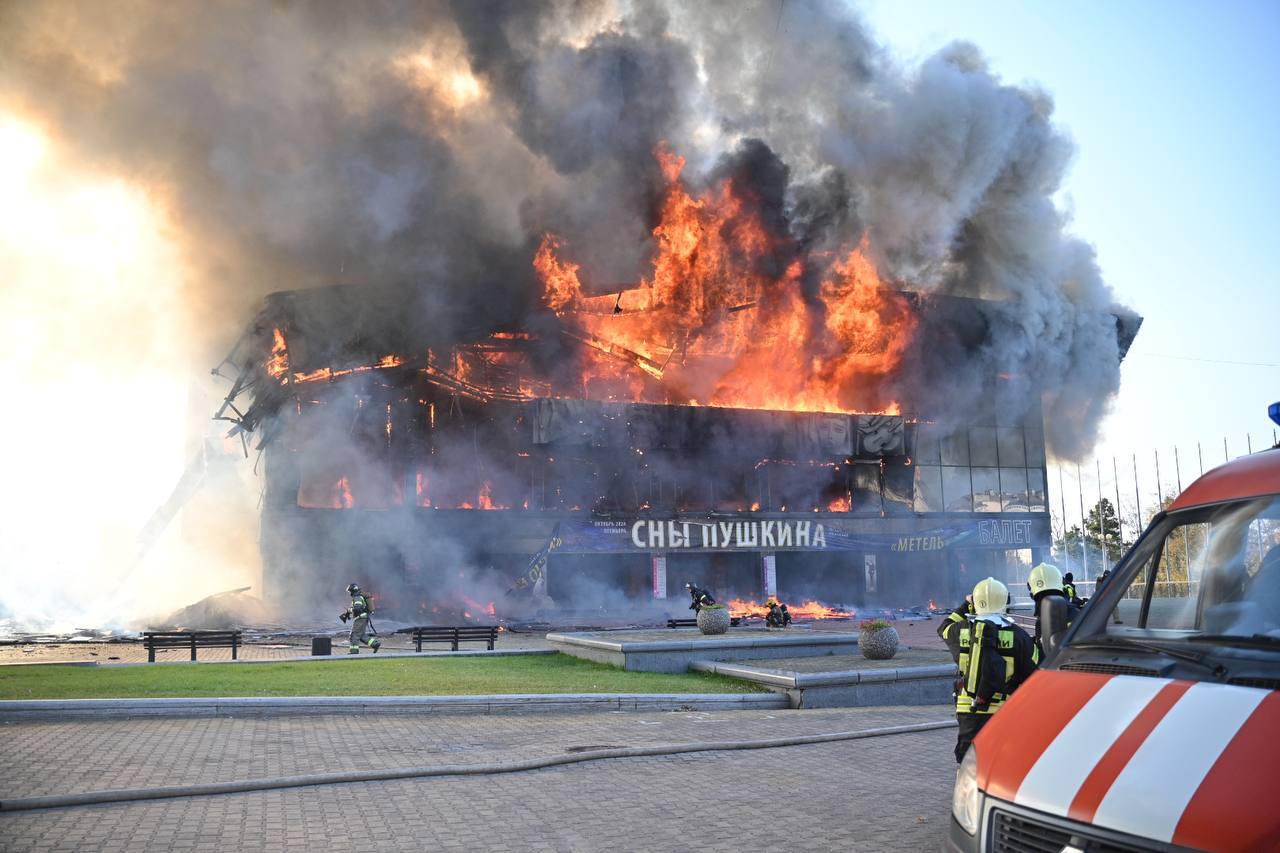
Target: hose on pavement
[{"x": 130, "y": 795}]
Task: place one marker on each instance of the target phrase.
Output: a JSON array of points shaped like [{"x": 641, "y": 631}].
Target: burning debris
[{"x": 809, "y": 610}]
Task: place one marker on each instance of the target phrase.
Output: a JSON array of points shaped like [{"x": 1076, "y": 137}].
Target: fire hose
[{"x": 129, "y": 795}]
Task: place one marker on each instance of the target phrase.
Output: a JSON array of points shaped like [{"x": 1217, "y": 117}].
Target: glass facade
[
  {"x": 983, "y": 469},
  {"x": 762, "y": 462}
]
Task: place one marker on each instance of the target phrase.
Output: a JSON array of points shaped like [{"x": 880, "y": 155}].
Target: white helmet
[
  {"x": 990, "y": 596},
  {"x": 1044, "y": 577}
]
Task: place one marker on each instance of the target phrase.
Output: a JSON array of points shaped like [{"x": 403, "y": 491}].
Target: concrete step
[{"x": 673, "y": 650}]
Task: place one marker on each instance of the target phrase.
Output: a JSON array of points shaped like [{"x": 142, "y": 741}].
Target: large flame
[
  {"x": 807, "y": 610},
  {"x": 713, "y": 325}
]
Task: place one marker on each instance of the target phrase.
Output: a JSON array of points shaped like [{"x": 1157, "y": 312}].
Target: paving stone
[{"x": 878, "y": 794}]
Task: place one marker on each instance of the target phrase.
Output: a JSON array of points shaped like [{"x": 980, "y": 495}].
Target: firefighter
[
  {"x": 701, "y": 598},
  {"x": 359, "y": 611},
  {"x": 778, "y": 615},
  {"x": 992, "y": 654},
  {"x": 1069, "y": 588},
  {"x": 1054, "y": 611},
  {"x": 956, "y": 618}
]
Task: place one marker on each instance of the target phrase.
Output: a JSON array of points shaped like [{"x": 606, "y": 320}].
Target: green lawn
[{"x": 386, "y": 677}]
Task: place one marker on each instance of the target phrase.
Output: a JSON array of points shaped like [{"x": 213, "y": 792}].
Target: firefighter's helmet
[
  {"x": 990, "y": 596},
  {"x": 353, "y": 589},
  {"x": 1044, "y": 577}
]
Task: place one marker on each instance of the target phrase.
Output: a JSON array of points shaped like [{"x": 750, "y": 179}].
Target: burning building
[
  {"x": 748, "y": 417},
  {"x": 857, "y": 307}
]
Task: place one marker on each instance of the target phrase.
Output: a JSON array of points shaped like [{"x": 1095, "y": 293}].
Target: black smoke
[{"x": 428, "y": 147}]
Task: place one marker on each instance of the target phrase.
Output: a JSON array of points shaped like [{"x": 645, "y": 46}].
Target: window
[
  {"x": 1175, "y": 584},
  {"x": 957, "y": 491},
  {"x": 926, "y": 451},
  {"x": 1212, "y": 570},
  {"x": 986, "y": 490},
  {"x": 1037, "y": 497},
  {"x": 1034, "y": 441},
  {"x": 1009, "y": 444},
  {"x": 1013, "y": 489},
  {"x": 982, "y": 446},
  {"x": 955, "y": 448},
  {"x": 928, "y": 489}
]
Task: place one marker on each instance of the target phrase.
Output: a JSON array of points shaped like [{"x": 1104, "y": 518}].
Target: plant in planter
[
  {"x": 713, "y": 619},
  {"x": 878, "y": 640}
]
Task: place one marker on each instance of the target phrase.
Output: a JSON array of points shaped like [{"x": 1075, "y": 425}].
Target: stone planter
[
  {"x": 879, "y": 645},
  {"x": 713, "y": 619}
]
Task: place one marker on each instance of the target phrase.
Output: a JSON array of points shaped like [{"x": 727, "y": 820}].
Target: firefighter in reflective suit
[
  {"x": 1054, "y": 611},
  {"x": 994, "y": 656}
]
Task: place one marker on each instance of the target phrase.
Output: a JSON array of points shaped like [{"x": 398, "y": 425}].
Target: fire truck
[{"x": 1157, "y": 724}]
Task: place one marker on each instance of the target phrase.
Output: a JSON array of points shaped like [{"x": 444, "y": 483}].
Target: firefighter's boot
[{"x": 375, "y": 644}]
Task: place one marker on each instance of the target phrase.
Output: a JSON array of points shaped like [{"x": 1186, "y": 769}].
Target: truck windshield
[{"x": 1206, "y": 574}]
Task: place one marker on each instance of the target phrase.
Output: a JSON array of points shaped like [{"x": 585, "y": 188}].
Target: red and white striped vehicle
[{"x": 1157, "y": 725}]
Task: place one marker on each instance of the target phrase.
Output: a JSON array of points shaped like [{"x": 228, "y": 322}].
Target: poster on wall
[
  {"x": 869, "y": 570},
  {"x": 659, "y": 576}
]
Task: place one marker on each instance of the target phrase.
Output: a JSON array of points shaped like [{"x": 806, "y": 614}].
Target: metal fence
[{"x": 1138, "y": 485}]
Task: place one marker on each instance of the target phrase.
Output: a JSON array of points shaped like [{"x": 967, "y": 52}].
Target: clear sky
[{"x": 1175, "y": 110}]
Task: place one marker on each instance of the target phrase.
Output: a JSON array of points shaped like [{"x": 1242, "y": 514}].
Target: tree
[
  {"x": 1101, "y": 538},
  {"x": 1103, "y": 528}
]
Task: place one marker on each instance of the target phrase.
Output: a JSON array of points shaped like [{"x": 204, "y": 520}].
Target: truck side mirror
[{"x": 1053, "y": 622}]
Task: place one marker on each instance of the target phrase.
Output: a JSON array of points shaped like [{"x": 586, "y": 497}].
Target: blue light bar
[{"x": 1274, "y": 411}]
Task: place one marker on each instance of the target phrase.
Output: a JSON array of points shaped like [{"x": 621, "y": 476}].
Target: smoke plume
[{"x": 429, "y": 147}]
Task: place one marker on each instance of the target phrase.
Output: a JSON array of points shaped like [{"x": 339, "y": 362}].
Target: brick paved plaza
[{"x": 888, "y": 793}]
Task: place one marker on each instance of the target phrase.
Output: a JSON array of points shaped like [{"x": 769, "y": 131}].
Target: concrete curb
[
  {"x": 779, "y": 678},
  {"x": 731, "y": 641},
  {"x": 686, "y": 646},
  {"x": 342, "y": 656},
  {"x": 57, "y": 710}
]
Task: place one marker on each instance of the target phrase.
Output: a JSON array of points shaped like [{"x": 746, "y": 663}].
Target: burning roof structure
[
  {"x": 745, "y": 375},
  {"x": 589, "y": 421}
]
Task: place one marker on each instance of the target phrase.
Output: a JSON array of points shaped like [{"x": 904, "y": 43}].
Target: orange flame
[
  {"x": 473, "y": 607},
  {"x": 807, "y": 610},
  {"x": 840, "y": 504},
  {"x": 328, "y": 373},
  {"x": 345, "y": 500},
  {"x": 712, "y": 324},
  {"x": 562, "y": 285},
  {"x": 278, "y": 362},
  {"x": 818, "y": 610},
  {"x": 739, "y": 607}
]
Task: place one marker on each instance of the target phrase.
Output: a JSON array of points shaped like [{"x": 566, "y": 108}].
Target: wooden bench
[
  {"x": 734, "y": 621},
  {"x": 460, "y": 634},
  {"x": 191, "y": 640}
]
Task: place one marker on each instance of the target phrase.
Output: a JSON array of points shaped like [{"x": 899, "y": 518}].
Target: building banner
[
  {"x": 659, "y": 564},
  {"x": 535, "y": 575},
  {"x": 653, "y": 535}
]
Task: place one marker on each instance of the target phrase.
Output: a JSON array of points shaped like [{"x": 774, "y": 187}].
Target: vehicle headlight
[{"x": 966, "y": 800}]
